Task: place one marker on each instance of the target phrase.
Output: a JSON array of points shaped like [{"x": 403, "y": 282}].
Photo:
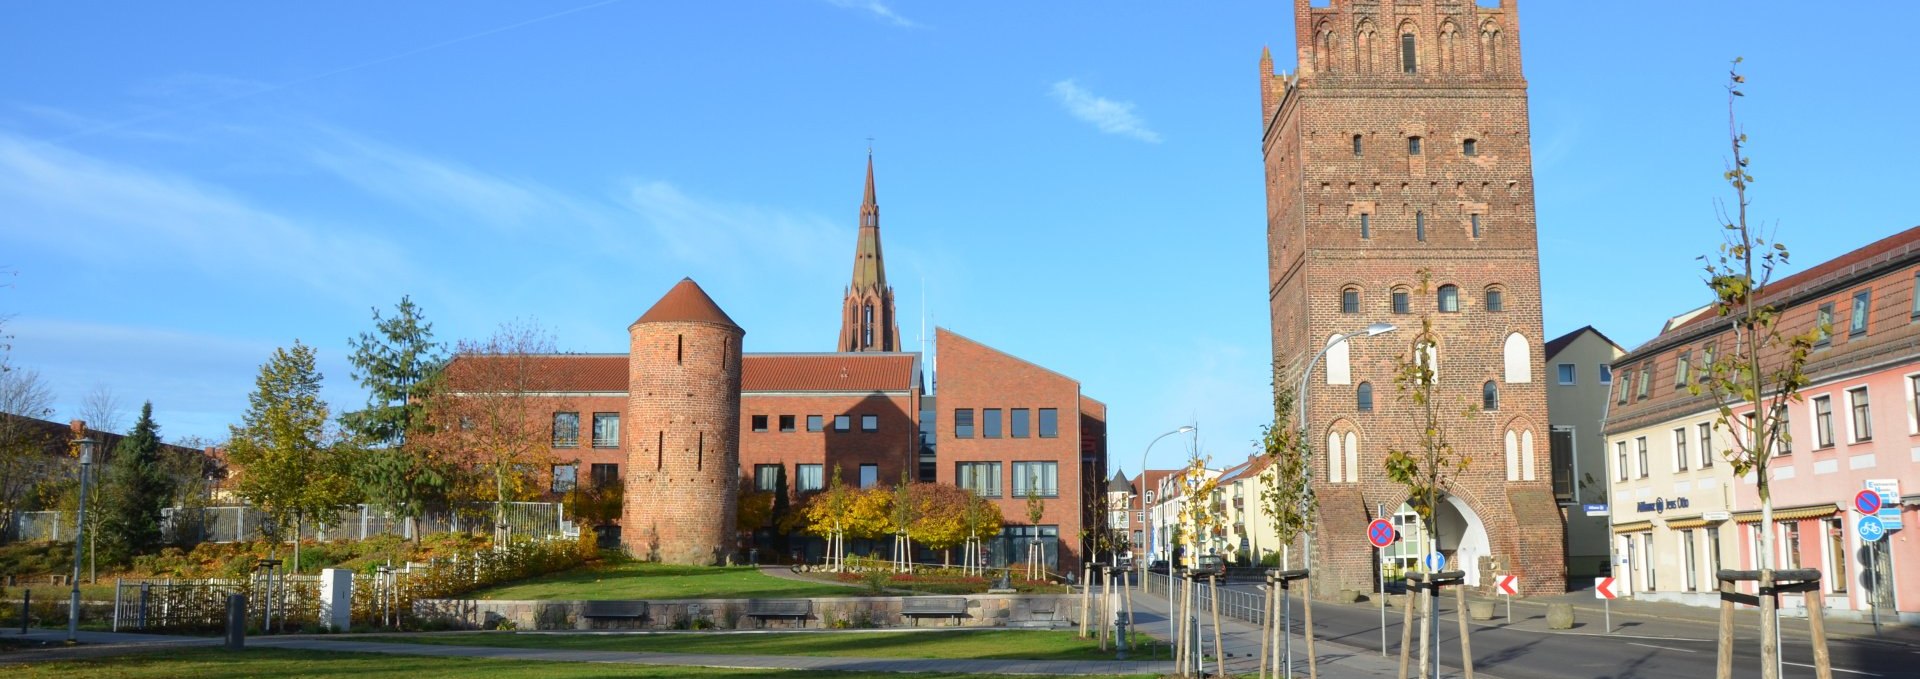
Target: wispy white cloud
[
  {"x": 878, "y": 9},
  {"x": 1111, "y": 117},
  {"x": 713, "y": 232},
  {"x": 447, "y": 189},
  {"x": 73, "y": 202}
]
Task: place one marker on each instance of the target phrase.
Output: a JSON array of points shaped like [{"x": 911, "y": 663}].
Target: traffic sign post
[
  {"x": 1871, "y": 530},
  {"x": 1380, "y": 532},
  {"x": 1603, "y": 588},
  {"x": 1509, "y": 586}
]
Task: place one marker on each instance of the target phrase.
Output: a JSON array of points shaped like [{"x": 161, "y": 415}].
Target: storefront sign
[
  {"x": 1889, "y": 490},
  {"x": 1661, "y": 505},
  {"x": 1595, "y": 509}
]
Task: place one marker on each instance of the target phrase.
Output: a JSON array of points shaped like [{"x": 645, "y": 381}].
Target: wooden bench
[
  {"x": 763, "y": 609},
  {"x": 632, "y": 610},
  {"x": 933, "y": 607}
]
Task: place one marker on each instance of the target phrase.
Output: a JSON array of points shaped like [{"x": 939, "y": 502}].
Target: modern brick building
[
  {"x": 1679, "y": 514},
  {"x": 690, "y": 422},
  {"x": 1400, "y": 185}
]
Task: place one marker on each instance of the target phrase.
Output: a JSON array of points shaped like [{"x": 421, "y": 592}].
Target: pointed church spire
[{"x": 867, "y": 321}]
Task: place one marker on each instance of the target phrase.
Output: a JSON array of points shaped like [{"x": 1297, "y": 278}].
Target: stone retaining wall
[{"x": 983, "y": 610}]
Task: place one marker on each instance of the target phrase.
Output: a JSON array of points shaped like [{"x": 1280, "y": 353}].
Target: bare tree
[
  {"x": 24, "y": 397},
  {"x": 494, "y": 417},
  {"x": 103, "y": 410}
]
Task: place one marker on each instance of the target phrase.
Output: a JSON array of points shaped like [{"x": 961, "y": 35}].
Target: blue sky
[{"x": 185, "y": 187}]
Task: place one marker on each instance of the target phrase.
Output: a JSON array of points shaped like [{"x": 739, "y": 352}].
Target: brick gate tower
[
  {"x": 1401, "y": 144},
  {"x": 682, "y": 430}
]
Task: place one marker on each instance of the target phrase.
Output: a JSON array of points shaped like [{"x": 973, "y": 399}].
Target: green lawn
[
  {"x": 642, "y": 580},
  {"x": 216, "y": 664},
  {"x": 996, "y": 644}
]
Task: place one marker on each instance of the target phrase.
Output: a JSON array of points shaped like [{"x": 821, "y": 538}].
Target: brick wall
[
  {"x": 1317, "y": 188},
  {"x": 894, "y": 448},
  {"x": 682, "y": 439}
]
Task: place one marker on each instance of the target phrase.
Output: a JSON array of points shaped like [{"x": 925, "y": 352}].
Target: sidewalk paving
[
  {"x": 1242, "y": 642},
  {"x": 1588, "y": 608}
]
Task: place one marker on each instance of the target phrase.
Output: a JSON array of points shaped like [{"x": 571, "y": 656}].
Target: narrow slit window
[
  {"x": 1413, "y": 146},
  {"x": 1420, "y": 226},
  {"x": 679, "y": 348},
  {"x": 1475, "y": 220},
  {"x": 700, "y": 451},
  {"x": 1356, "y": 146},
  {"x": 1409, "y": 59},
  {"x": 1366, "y": 226},
  {"x": 660, "y": 452}
]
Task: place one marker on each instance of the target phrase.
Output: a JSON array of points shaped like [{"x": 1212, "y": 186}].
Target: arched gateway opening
[{"x": 1462, "y": 539}]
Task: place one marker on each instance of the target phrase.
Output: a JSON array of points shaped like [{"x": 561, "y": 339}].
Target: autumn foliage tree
[
  {"x": 493, "y": 416},
  {"x": 289, "y": 465}
]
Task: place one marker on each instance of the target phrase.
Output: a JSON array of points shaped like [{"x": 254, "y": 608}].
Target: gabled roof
[
  {"x": 1895, "y": 246},
  {"x": 842, "y": 371},
  {"x": 1557, "y": 344},
  {"x": 1119, "y": 483},
  {"x": 686, "y": 302}
]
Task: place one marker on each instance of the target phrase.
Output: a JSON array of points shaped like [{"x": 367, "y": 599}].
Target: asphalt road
[{"x": 1638, "y": 648}]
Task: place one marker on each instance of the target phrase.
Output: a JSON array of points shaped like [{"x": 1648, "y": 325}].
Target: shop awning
[
  {"x": 1693, "y": 522},
  {"x": 1634, "y": 527},
  {"x": 1790, "y": 513}
]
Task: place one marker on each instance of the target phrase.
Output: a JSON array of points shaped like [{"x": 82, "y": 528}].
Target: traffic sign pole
[{"x": 1380, "y": 574}]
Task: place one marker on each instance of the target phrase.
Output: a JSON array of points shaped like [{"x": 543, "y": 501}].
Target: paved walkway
[
  {"x": 1242, "y": 642},
  {"x": 1592, "y": 609},
  {"x": 784, "y": 662}
]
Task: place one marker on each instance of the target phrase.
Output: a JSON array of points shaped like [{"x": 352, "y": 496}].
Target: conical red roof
[{"x": 686, "y": 302}]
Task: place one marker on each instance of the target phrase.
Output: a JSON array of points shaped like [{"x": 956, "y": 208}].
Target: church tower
[
  {"x": 1399, "y": 181},
  {"x": 867, "y": 321}
]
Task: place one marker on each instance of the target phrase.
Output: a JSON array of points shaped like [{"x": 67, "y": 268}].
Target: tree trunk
[{"x": 296, "y": 543}]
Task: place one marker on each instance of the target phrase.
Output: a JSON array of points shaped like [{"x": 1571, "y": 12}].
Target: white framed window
[
  {"x": 1606, "y": 374},
  {"x": 1913, "y": 401},
  {"x": 1680, "y": 449},
  {"x": 1705, "y": 430},
  {"x": 1620, "y": 464},
  {"x": 1567, "y": 372},
  {"x": 1822, "y": 421},
  {"x": 1640, "y": 449},
  {"x": 1859, "y": 415}
]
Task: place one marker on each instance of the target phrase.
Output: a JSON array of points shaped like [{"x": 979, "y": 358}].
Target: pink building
[{"x": 1676, "y": 513}]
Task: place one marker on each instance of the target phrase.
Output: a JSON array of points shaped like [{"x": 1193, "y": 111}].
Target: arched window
[
  {"x": 1334, "y": 459},
  {"x": 1526, "y": 455},
  {"x": 1363, "y": 397},
  {"x": 1431, "y": 355},
  {"x": 1353, "y": 457},
  {"x": 1513, "y": 455},
  {"x": 1448, "y": 57},
  {"x": 1490, "y": 396},
  {"x": 1350, "y": 300},
  {"x": 1449, "y": 299},
  {"x": 1496, "y": 299},
  {"x": 1402, "y": 300},
  {"x": 1409, "y": 55},
  {"x": 1339, "y": 367},
  {"x": 1489, "y": 47},
  {"x": 1519, "y": 359},
  {"x": 1363, "y": 45},
  {"x": 1356, "y": 146}
]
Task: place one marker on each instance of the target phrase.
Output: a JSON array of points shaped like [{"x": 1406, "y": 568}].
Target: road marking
[
  {"x": 1836, "y": 669},
  {"x": 1664, "y": 648}
]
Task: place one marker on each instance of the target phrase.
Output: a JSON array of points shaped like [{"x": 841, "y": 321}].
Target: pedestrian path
[
  {"x": 782, "y": 662},
  {"x": 1242, "y": 643},
  {"x": 94, "y": 645},
  {"x": 1702, "y": 621}
]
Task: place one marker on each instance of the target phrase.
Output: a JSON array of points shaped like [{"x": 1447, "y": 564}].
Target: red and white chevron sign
[
  {"x": 1509, "y": 584},
  {"x": 1603, "y": 588}
]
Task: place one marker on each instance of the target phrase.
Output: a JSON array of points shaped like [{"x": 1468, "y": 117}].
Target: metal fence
[
  {"x": 243, "y": 523},
  {"x": 1243, "y": 605}
]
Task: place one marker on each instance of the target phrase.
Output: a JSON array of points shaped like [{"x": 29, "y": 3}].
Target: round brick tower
[{"x": 682, "y": 430}]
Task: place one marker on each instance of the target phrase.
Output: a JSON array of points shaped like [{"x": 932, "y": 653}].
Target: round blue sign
[
  {"x": 1870, "y": 528},
  {"x": 1434, "y": 562}
]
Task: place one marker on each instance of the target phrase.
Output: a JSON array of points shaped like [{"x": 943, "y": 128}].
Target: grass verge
[
  {"x": 216, "y": 664},
  {"x": 643, "y": 580}
]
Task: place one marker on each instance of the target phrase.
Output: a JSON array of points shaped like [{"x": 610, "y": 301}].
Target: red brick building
[
  {"x": 688, "y": 421},
  {"x": 1400, "y": 145}
]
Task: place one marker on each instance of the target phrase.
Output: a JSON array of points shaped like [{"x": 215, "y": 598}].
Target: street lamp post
[
  {"x": 1145, "y": 527},
  {"x": 79, "y": 539},
  {"x": 1300, "y": 405}
]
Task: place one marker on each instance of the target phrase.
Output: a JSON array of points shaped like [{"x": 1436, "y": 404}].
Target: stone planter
[
  {"x": 1347, "y": 596},
  {"x": 1480, "y": 610},
  {"x": 1560, "y": 616}
]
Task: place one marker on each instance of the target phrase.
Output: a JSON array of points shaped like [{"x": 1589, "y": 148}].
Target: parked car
[
  {"x": 1159, "y": 566},
  {"x": 1209, "y": 564}
]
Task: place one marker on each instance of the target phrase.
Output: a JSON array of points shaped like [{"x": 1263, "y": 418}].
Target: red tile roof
[
  {"x": 859, "y": 372},
  {"x": 862, "y": 371},
  {"x": 1891, "y": 247},
  {"x": 686, "y": 302}
]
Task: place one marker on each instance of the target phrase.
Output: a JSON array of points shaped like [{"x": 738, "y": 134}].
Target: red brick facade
[
  {"x": 682, "y": 434},
  {"x": 1379, "y": 165},
  {"x": 975, "y": 378}
]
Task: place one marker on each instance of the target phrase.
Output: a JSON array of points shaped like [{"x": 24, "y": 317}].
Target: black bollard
[
  {"x": 26, "y": 609},
  {"x": 236, "y": 621}
]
